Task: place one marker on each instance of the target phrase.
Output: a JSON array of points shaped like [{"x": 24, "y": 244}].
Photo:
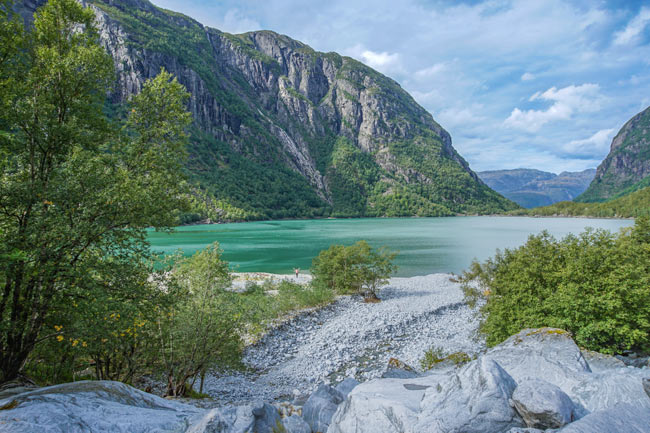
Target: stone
[
  {"x": 622, "y": 418},
  {"x": 600, "y": 362},
  {"x": 295, "y": 424},
  {"x": 234, "y": 419},
  {"x": 267, "y": 418},
  {"x": 398, "y": 373},
  {"x": 97, "y": 406},
  {"x": 604, "y": 390},
  {"x": 548, "y": 354},
  {"x": 320, "y": 407},
  {"x": 383, "y": 405},
  {"x": 525, "y": 430},
  {"x": 542, "y": 405},
  {"x": 347, "y": 385},
  {"x": 475, "y": 399}
]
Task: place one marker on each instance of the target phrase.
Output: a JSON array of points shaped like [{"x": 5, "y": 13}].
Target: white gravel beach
[{"x": 350, "y": 338}]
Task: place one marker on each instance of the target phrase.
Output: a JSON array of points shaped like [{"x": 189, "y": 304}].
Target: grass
[{"x": 271, "y": 301}]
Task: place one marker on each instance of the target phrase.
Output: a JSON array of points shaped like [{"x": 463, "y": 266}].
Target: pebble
[{"x": 350, "y": 338}]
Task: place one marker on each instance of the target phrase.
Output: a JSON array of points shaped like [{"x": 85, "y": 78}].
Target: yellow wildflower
[
  {"x": 58, "y": 327},
  {"x": 59, "y": 338}
]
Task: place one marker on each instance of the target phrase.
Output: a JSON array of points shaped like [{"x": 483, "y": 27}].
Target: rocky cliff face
[
  {"x": 287, "y": 131},
  {"x": 627, "y": 166},
  {"x": 532, "y": 188}
]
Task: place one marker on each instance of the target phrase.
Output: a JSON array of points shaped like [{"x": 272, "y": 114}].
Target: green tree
[
  {"x": 595, "y": 285},
  {"x": 356, "y": 269},
  {"x": 202, "y": 328},
  {"x": 76, "y": 192}
]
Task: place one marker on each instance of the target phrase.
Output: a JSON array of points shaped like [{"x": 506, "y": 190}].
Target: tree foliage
[
  {"x": 201, "y": 328},
  {"x": 355, "y": 269},
  {"x": 77, "y": 190},
  {"x": 595, "y": 285}
]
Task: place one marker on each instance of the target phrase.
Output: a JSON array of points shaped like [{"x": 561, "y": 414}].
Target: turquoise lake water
[{"x": 424, "y": 245}]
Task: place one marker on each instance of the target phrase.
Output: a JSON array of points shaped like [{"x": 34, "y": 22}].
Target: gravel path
[{"x": 352, "y": 338}]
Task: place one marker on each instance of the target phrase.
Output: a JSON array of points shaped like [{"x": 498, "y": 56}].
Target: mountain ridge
[
  {"x": 282, "y": 130},
  {"x": 627, "y": 166},
  {"x": 532, "y": 188}
]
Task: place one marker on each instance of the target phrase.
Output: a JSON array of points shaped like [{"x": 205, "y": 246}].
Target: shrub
[
  {"x": 595, "y": 285},
  {"x": 356, "y": 269}
]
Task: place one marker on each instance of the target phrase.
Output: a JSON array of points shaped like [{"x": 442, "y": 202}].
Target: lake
[{"x": 424, "y": 245}]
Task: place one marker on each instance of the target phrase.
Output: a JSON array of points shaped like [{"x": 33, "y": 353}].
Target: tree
[
  {"x": 77, "y": 191},
  {"x": 357, "y": 269},
  {"x": 201, "y": 329},
  {"x": 595, "y": 285}
]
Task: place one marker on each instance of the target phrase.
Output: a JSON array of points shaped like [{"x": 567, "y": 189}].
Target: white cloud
[
  {"x": 383, "y": 61},
  {"x": 431, "y": 71},
  {"x": 234, "y": 21},
  {"x": 634, "y": 28},
  {"x": 596, "y": 144},
  {"x": 527, "y": 76},
  {"x": 585, "y": 98}
]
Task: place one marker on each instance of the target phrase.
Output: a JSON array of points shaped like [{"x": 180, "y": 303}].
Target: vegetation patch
[{"x": 594, "y": 285}]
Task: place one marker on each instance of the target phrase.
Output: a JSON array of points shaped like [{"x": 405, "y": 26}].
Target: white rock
[
  {"x": 623, "y": 418},
  {"x": 475, "y": 399},
  {"x": 94, "y": 406},
  {"x": 542, "y": 405}
]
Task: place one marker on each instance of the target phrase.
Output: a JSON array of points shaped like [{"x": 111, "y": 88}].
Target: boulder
[
  {"x": 234, "y": 419},
  {"x": 525, "y": 430},
  {"x": 475, "y": 399},
  {"x": 398, "y": 373},
  {"x": 604, "y": 390},
  {"x": 295, "y": 424},
  {"x": 383, "y": 405},
  {"x": 542, "y": 405},
  {"x": 97, "y": 406},
  {"x": 548, "y": 354},
  {"x": 320, "y": 407},
  {"x": 347, "y": 385},
  {"x": 267, "y": 418},
  {"x": 625, "y": 417},
  {"x": 600, "y": 362}
]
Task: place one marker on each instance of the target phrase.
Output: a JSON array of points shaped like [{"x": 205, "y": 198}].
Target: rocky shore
[
  {"x": 350, "y": 338},
  {"x": 335, "y": 370}
]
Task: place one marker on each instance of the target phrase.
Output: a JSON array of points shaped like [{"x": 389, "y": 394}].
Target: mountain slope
[
  {"x": 627, "y": 164},
  {"x": 531, "y": 188},
  {"x": 284, "y": 131},
  {"x": 632, "y": 205}
]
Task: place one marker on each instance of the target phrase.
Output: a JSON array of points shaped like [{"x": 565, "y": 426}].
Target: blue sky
[{"x": 536, "y": 84}]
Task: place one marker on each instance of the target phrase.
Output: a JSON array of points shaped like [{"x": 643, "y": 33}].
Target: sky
[{"x": 542, "y": 84}]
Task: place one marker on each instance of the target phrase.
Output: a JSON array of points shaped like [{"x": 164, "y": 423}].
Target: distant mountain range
[
  {"x": 627, "y": 167},
  {"x": 532, "y": 188},
  {"x": 284, "y": 131}
]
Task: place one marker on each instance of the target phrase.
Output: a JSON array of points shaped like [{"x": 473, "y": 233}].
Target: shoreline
[{"x": 203, "y": 222}]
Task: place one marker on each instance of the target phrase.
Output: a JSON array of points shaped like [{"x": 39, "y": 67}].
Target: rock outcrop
[{"x": 627, "y": 166}]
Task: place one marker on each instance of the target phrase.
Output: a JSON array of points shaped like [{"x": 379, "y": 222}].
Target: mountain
[
  {"x": 531, "y": 188},
  {"x": 627, "y": 167},
  {"x": 282, "y": 130},
  {"x": 632, "y": 205}
]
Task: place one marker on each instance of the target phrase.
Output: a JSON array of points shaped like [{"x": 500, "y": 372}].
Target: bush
[
  {"x": 357, "y": 269},
  {"x": 595, "y": 285}
]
